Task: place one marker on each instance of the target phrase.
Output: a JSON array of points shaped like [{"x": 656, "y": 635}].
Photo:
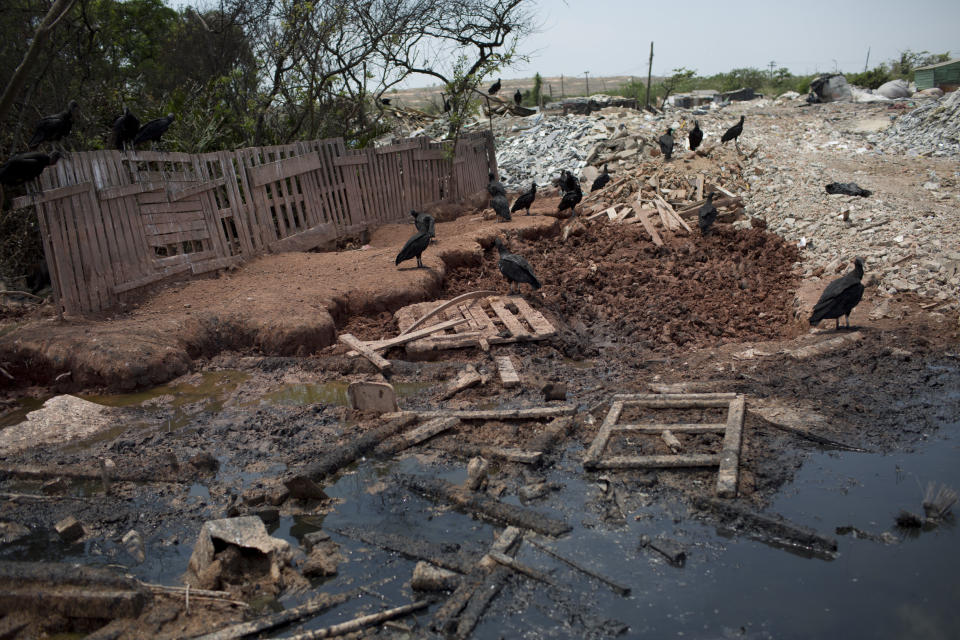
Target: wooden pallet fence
[{"x": 115, "y": 222}]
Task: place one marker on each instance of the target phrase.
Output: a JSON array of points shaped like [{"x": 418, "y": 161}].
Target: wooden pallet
[
  {"x": 728, "y": 460},
  {"x": 482, "y": 322}
]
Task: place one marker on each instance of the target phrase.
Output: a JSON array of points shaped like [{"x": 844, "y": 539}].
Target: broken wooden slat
[
  {"x": 677, "y": 428},
  {"x": 508, "y": 319},
  {"x": 645, "y": 221},
  {"x": 671, "y": 441},
  {"x": 530, "y": 572},
  {"x": 508, "y": 374},
  {"x": 654, "y": 462},
  {"x": 303, "y": 484},
  {"x": 700, "y": 181},
  {"x": 824, "y": 346},
  {"x": 521, "y": 456},
  {"x": 673, "y": 214},
  {"x": 730, "y": 453},
  {"x": 450, "y": 303},
  {"x": 313, "y": 607},
  {"x": 535, "y": 319},
  {"x": 416, "y": 436},
  {"x": 378, "y": 345},
  {"x": 533, "y": 413},
  {"x": 677, "y": 400},
  {"x": 603, "y": 435},
  {"x": 439, "y": 554},
  {"x": 619, "y": 588},
  {"x": 467, "y": 378},
  {"x": 378, "y": 361},
  {"x": 483, "y": 505},
  {"x": 363, "y": 621},
  {"x": 442, "y": 343}
]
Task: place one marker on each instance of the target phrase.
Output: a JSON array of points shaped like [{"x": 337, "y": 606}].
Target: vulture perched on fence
[
  {"x": 24, "y": 167},
  {"x": 525, "y": 200},
  {"x": 153, "y": 130},
  {"x": 666, "y": 144},
  {"x": 601, "y": 180},
  {"x": 414, "y": 248},
  {"x": 695, "y": 136},
  {"x": 515, "y": 268},
  {"x": 840, "y": 297},
  {"x": 54, "y": 128},
  {"x": 125, "y": 129}
]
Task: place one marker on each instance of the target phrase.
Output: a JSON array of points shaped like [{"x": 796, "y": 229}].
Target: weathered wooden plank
[
  {"x": 212, "y": 265},
  {"x": 164, "y": 239},
  {"x": 532, "y": 413},
  {"x": 157, "y": 208},
  {"x": 49, "y": 196},
  {"x": 677, "y": 428},
  {"x": 730, "y": 453},
  {"x": 508, "y": 319},
  {"x": 415, "y": 436},
  {"x": 174, "y": 227},
  {"x": 185, "y": 192},
  {"x": 378, "y": 361},
  {"x": 508, "y": 374},
  {"x": 533, "y": 317},
  {"x": 603, "y": 435},
  {"x": 652, "y": 462},
  {"x": 351, "y": 160},
  {"x": 155, "y": 277}
]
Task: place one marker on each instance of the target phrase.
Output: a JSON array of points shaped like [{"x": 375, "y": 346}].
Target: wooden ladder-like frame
[{"x": 728, "y": 460}]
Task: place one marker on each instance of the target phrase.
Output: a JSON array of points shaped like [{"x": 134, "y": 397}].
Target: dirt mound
[{"x": 692, "y": 292}]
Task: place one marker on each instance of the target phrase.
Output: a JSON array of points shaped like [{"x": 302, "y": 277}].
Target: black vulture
[
  {"x": 515, "y": 268},
  {"x": 415, "y": 246},
  {"x": 696, "y": 136},
  {"x": 525, "y": 200},
  {"x": 733, "y": 133},
  {"x": 54, "y": 128},
  {"x": 24, "y": 167},
  {"x": 666, "y": 144},
  {"x": 424, "y": 222},
  {"x": 840, "y": 297},
  {"x": 501, "y": 205},
  {"x": 494, "y": 87},
  {"x": 125, "y": 129},
  {"x": 446, "y": 103},
  {"x": 495, "y": 188},
  {"x": 707, "y": 214},
  {"x": 385, "y": 101},
  {"x": 572, "y": 194},
  {"x": 518, "y": 97},
  {"x": 153, "y": 130},
  {"x": 601, "y": 180}
]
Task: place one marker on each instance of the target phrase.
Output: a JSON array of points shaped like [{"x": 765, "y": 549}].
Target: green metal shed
[{"x": 945, "y": 75}]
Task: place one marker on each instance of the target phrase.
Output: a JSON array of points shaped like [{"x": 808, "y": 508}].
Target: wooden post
[{"x": 649, "y": 71}]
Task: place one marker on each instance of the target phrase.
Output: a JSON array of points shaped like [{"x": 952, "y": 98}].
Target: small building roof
[{"x": 939, "y": 64}]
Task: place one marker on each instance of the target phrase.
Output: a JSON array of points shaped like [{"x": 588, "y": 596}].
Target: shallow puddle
[{"x": 333, "y": 393}]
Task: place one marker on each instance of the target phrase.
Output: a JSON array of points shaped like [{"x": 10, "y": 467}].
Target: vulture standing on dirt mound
[
  {"x": 153, "y": 130},
  {"x": 414, "y": 248},
  {"x": 125, "y": 129},
  {"x": 601, "y": 180},
  {"x": 54, "y": 128},
  {"x": 707, "y": 214},
  {"x": 525, "y": 200},
  {"x": 518, "y": 97},
  {"x": 572, "y": 194},
  {"x": 733, "y": 133},
  {"x": 424, "y": 222},
  {"x": 24, "y": 167},
  {"x": 696, "y": 136},
  {"x": 494, "y": 87},
  {"x": 840, "y": 297},
  {"x": 501, "y": 205},
  {"x": 666, "y": 144},
  {"x": 515, "y": 268}
]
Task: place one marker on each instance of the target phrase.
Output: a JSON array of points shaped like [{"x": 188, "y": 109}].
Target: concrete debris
[
  {"x": 133, "y": 543},
  {"x": 477, "y": 470},
  {"x": 236, "y": 552},
  {"x": 61, "y": 419},
  {"x": 69, "y": 529},
  {"x": 932, "y": 129},
  {"x": 378, "y": 397},
  {"x": 428, "y": 577},
  {"x": 323, "y": 560},
  {"x": 11, "y": 531}
]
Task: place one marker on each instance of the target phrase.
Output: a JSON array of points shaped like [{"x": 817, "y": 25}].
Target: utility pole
[
  {"x": 772, "y": 65},
  {"x": 561, "y": 86},
  {"x": 867, "y": 63},
  {"x": 649, "y": 70},
  {"x": 586, "y": 74}
]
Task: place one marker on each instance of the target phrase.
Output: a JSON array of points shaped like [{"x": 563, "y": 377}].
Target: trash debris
[
  {"x": 893, "y": 89},
  {"x": 69, "y": 529},
  {"x": 937, "y": 502},
  {"x": 133, "y": 543},
  {"x": 377, "y": 397},
  {"x": 428, "y": 577},
  {"x": 477, "y": 470},
  {"x": 847, "y": 189},
  {"x": 829, "y": 88},
  {"x": 933, "y": 128},
  {"x": 669, "y": 549}
]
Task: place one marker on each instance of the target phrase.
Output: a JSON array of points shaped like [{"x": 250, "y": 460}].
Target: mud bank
[{"x": 284, "y": 304}]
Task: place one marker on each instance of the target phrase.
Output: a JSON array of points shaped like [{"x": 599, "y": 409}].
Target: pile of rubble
[
  {"x": 931, "y": 129},
  {"x": 540, "y": 147}
]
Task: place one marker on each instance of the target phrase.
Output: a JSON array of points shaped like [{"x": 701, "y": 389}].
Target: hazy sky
[{"x": 612, "y": 37}]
